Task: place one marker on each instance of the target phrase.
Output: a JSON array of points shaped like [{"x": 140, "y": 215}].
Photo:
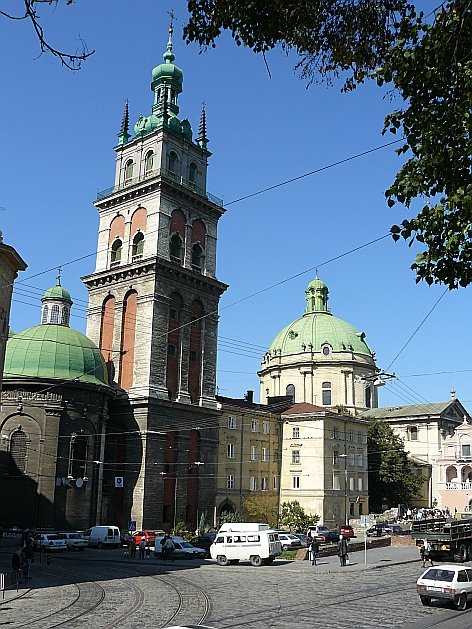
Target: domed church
[
  {"x": 54, "y": 403},
  {"x": 321, "y": 360}
]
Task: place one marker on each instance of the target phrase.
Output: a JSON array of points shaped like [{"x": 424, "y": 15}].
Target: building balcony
[
  {"x": 458, "y": 485},
  {"x": 161, "y": 173}
]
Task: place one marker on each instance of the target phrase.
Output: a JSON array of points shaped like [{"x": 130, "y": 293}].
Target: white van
[
  {"x": 100, "y": 536},
  {"x": 245, "y": 541}
]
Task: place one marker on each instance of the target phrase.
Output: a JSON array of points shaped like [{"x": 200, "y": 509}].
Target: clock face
[{"x": 326, "y": 350}]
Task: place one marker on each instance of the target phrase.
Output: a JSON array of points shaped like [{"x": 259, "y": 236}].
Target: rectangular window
[
  {"x": 296, "y": 432},
  {"x": 336, "y": 481},
  {"x": 335, "y": 432},
  {"x": 253, "y": 483},
  {"x": 351, "y": 458},
  {"x": 360, "y": 459},
  {"x": 413, "y": 433},
  {"x": 466, "y": 449},
  {"x": 255, "y": 425},
  {"x": 295, "y": 482},
  {"x": 335, "y": 457},
  {"x": 360, "y": 437},
  {"x": 254, "y": 453},
  {"x": 276, "y": 455},
  {"x": 231, "y": 422},
  {"x": 265, "y": 455},
  {"x": 295, "y": 456},
  {"x": 266, "y": 427},
  {"x": 230, "y": 481},
  {"x": 230, "y": 451},
  {"x": 264, "y": 483},
  {"x": 275, "y": 484},
  {"x": 326, "y": 397},
  {"x": 359, "y": 483},
  {"x": 351, "y": 483},
  {"x": 350, "y": 435}
]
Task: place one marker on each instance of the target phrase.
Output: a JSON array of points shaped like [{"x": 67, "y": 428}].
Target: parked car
[
  {"x": 346, "y": 531},
  {"x": 446, "y": 582},
  {"x": 125, "y": 538},
  {"x": 148, "y": 535},
  {"x": 183, "y": 549},
  {"x": 317, "y": 530},
  {"x": 303, "y": 538},
  {"x": 394, "y": 529},
  {"x": 74, "y": 540},
  {"x": 377, "y": 530},
  {"x": 204, "y": 541},
  {"x": 289, "y": 541},
  {"x": 48, "y": 542},
  {"x": 329, "y": 537}
]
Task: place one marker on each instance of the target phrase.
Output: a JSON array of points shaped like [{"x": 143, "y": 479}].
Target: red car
[
  {"x": 346, "y": 531},
  {"x": 148, "y": 535}
]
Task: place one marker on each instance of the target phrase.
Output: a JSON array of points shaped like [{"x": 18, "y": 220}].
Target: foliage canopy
[
  {"x": 293, "y": 517},
  {"x": 427, "y": 60}
]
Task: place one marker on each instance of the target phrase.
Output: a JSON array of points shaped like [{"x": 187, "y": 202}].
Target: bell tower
[{"x": 154, "y": 295}]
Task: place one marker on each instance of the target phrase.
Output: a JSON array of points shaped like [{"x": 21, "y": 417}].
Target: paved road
[{"x": 100, "y": 589}]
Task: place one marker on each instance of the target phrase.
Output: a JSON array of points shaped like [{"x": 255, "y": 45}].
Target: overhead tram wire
[{"x": 238, "y": 200}]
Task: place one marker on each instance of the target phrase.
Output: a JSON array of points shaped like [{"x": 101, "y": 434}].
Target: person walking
[
  {"x": 148, "y": 551},
  {"x": 142, "y": 548},
  {"x": 427, "y": 553},
  {"x": 342, "y": 550},
  {"x": 16, "y": 565},
  {"x": 314, "y": 550},
  {"x": 169, "y": 548},
  {"x": 132, "y": 548}
]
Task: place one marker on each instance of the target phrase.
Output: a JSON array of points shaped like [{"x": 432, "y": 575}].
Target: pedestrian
[
  {"x": 162, "y": 542},
  {"x": 142, "y": 547},
  {"x": 427, "y": 553},
  {"x": 25, "y": 563},
  {"x": 148, "y": 551},
  {"x": 16, "y": 566},
  {"x": 342, "y": 550},
  {"x": 314, "y": 550},
  {"x": 132, "y": 548},
  {"x": 169, "y": 548}
]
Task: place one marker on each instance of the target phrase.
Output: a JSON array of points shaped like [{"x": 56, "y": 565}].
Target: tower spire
[
  {"x": 202, "y": 139},
  {"x": 123, "y": 135}
]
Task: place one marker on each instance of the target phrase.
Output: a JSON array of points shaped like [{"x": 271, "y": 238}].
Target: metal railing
[
  {"x": 459, "y": 485},
  {"x": 165, "y": 174}
]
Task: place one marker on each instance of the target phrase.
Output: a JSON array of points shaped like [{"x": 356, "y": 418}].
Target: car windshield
[
  {"x": 186, "y": 545},
  {"x": 437, "y": 574},
  {"x": 52, "y": 537}
]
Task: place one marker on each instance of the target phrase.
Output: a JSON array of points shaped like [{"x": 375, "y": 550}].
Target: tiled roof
[{"x": 413, "y": 410}]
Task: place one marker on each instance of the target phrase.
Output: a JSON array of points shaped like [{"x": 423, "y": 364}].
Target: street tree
[
  {"x": 293, "y": 517},
  {"x": 262, "y": 507},
  {"x": 230, "y": 516},
  {"x": 393, "y": 477},
  {"x": 427, "y": 59}
]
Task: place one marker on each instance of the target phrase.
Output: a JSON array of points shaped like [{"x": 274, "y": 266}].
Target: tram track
[{"x": 186, "y": 603}]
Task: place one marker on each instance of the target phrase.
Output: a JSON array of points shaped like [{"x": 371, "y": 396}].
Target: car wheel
[
  {"x": 285, "y": 547},
  {"x": 256, "y": 561},
  {"x": 463, "y": 554},
  {"x": 461, "y": 604},
  {"x": 425, "y": 600},
  {"x": 222, "y": 560}
]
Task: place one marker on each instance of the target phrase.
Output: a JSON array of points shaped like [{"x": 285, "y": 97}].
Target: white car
[
  {"x": 447, "y": 582},
  {"x": 182, "y": 550},
  {"x": 289, "y": 541},
  {"x": 74, "y": 541},
  {"x": 48, "y": 542}
]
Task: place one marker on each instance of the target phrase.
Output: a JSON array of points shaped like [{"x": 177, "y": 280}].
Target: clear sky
[{"x": 59, "y": 130}]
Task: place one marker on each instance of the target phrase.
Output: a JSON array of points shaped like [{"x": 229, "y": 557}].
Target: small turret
[
  {"x": 123, "y": 135},
  {"x": 202, "y": 139}
]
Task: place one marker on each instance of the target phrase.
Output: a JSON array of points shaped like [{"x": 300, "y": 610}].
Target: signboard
[
  {"x": 132, "y": 525},
  {"x": 118, "y": 481},
  {"x": 365, "y": 521}
]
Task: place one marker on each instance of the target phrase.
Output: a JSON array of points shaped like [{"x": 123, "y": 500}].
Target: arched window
[
  {"x": 192, "y": 173},
  {"x": 368, "y": 397},
  {"x": 65, "y": 315},
  {"x": 55, "y": 313},
  {"x": 148, "y": 162},
  {"x": 172, "y": 162},
  {"x": 326, "y": 393},
  {"x": 138, "y": 246},
  {"x": 18, "y": 451},
  {"x": 290, "y": 392},
  {"x": 197, "y": 256},
  {"x": 173, "y": 344},
  {"x": 129, "y": 171},
  {"x": 44, "y": 318},
  {"x": 175, "y": 248},
  {"x": 78, "y": 456},
  {"x": 116, "y": 249}
]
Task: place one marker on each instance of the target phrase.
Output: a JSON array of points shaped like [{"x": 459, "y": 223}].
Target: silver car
[
  {"x": 446, "y": 582},
  {"x": 49, "y": 541},
  {"x": 74, "y": 541}
]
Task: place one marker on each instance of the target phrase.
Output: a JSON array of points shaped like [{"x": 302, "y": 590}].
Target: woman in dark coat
[{"x": 342, "y": 550}]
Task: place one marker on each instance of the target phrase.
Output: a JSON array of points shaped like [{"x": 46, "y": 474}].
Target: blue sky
[{"x": 59, "y": 129}]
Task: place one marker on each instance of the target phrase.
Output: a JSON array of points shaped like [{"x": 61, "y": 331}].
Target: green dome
[
  {"x": 57, "y": 292},
  {"x": 54, "y": 352},
  {"x": 317, "y": 327},
  {"x": 168, "y": 71}
]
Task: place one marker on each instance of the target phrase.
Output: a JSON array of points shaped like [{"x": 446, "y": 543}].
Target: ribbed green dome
[
  {"x": 57, "y": 292},
  {"x": 54, "y": 352},
  {"x": 168, "y": 71},
  {"x": 318, "y": 327}
]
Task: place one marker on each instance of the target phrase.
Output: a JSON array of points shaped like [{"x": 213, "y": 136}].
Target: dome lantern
[{"x": 56, "y": 304}]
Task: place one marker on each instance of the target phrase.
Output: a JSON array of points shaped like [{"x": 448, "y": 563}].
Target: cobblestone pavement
[{"x": 100, "y": 589}]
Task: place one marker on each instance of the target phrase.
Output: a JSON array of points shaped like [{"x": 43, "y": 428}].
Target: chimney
[{"x": 250, "y": 397}]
